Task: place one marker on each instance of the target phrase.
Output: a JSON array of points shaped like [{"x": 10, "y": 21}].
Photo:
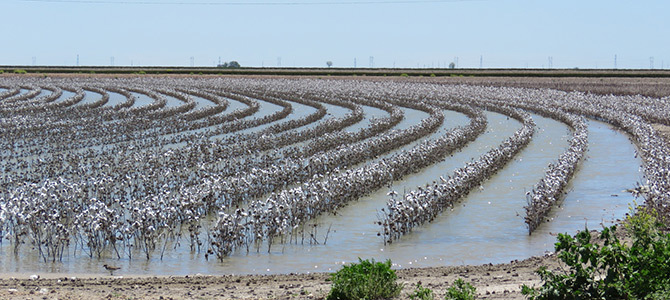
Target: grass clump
[
  {"x": 421, "y": 293},
  {"x": 461, "y": 290},
  {"x": 611, "y": 269},
  {"x": 366, "y": 279}
]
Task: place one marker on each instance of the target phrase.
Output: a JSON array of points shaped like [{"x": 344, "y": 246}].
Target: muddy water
[
  {"x": 172, "y": 101},
  {"x": 488, "y": 225},
  {"x": 89, "y": 97},
  {"x": 333, "y": 111},
  {"x": 201, "y": 103},
  {"x": 369, "y": 113},
  {"x": 264, "y": 109},
  {"x": 142, "y": 100},
  {"x": 43, "y": 93},
  {"x": 66, "y": 95},
  {"x": 233, "y": 105},
  {"x": 483, "y": 228},
  {"x": 115, "y": 99}
]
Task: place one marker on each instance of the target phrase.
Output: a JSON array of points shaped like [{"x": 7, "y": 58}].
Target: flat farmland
[{"x": 261, "y": 176}]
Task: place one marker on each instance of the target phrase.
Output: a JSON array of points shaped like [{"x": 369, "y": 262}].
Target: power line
[{"x": 230, "y": 3}]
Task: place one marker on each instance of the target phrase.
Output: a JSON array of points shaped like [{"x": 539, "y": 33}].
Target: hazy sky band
[
  {"x": 250, "y": 3},
  {"x": 367, "y": 33}
]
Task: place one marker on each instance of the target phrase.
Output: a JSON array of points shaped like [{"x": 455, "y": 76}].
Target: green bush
[
  {"x": 365, "y": 280},
  {"x": 645, "y": 223},
  {"x": 421, "y": 293},
  {"x": 20, "y": 71},
  {"x": 461, "y": 290},
  {"x": 612, "y": 270}
]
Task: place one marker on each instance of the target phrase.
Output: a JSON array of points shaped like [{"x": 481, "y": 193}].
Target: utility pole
[
  {"x": 550, "y": 62},
  {"x": 279, "y": 61},
  {"x": 615, "y": 62},
  {"x": 192, "y": 61},
  {"x": 34, "y": 60},
  {"x": 481, "y": 61},
  {"x": 372, "y": 61},
  {"x": 77, "y": 60},
  {"x": 354, "y": 63},
  {"x": 651, "y": 62},
  {"x": 111, "y": 61}
]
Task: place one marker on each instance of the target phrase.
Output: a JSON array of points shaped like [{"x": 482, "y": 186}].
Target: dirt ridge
[{"x": 499, "y": 281}]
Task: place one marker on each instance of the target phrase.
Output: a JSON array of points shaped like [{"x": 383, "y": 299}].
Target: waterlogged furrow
[
  {"x": 550, "y": 189},
  {"x": 617, "y": 111},
  {"x": 90, "y": 98},
  {"x": 101, "y": 101},
  {"x": 371, "y": 113},
  {"x": 261, "y": 181},
  {"x": 7, "y": 92},
  {"x": 176, "y": 156},
  {"x": 101, "y": 179},
  {"x": 141, "y": 209},
  {"x": 418, "y": 207},
  {"x": 284, "y": 212}
]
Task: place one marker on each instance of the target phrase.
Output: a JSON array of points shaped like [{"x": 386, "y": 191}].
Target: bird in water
[{"x": 111, "y": 269}]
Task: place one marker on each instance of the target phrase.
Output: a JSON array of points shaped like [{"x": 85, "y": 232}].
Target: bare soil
[{"x": 502, "y": 281}]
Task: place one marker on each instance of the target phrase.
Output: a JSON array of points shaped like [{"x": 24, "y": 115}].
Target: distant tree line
[{"x": 229, "y": 65}]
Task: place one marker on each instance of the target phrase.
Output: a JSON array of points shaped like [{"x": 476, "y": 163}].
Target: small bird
[{"x": 111, "y": 269}]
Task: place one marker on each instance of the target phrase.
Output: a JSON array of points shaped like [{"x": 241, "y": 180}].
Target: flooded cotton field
[{"x": 178, "y": 175}]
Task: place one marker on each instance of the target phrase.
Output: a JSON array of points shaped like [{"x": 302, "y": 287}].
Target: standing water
[{"x": 485, "y": 227}]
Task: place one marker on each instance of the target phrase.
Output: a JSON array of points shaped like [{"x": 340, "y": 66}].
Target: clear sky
[{"x": 307, "y": 33}]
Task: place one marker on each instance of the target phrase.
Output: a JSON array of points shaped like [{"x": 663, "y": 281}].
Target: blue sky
[{"x": 307, "y": 33}]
